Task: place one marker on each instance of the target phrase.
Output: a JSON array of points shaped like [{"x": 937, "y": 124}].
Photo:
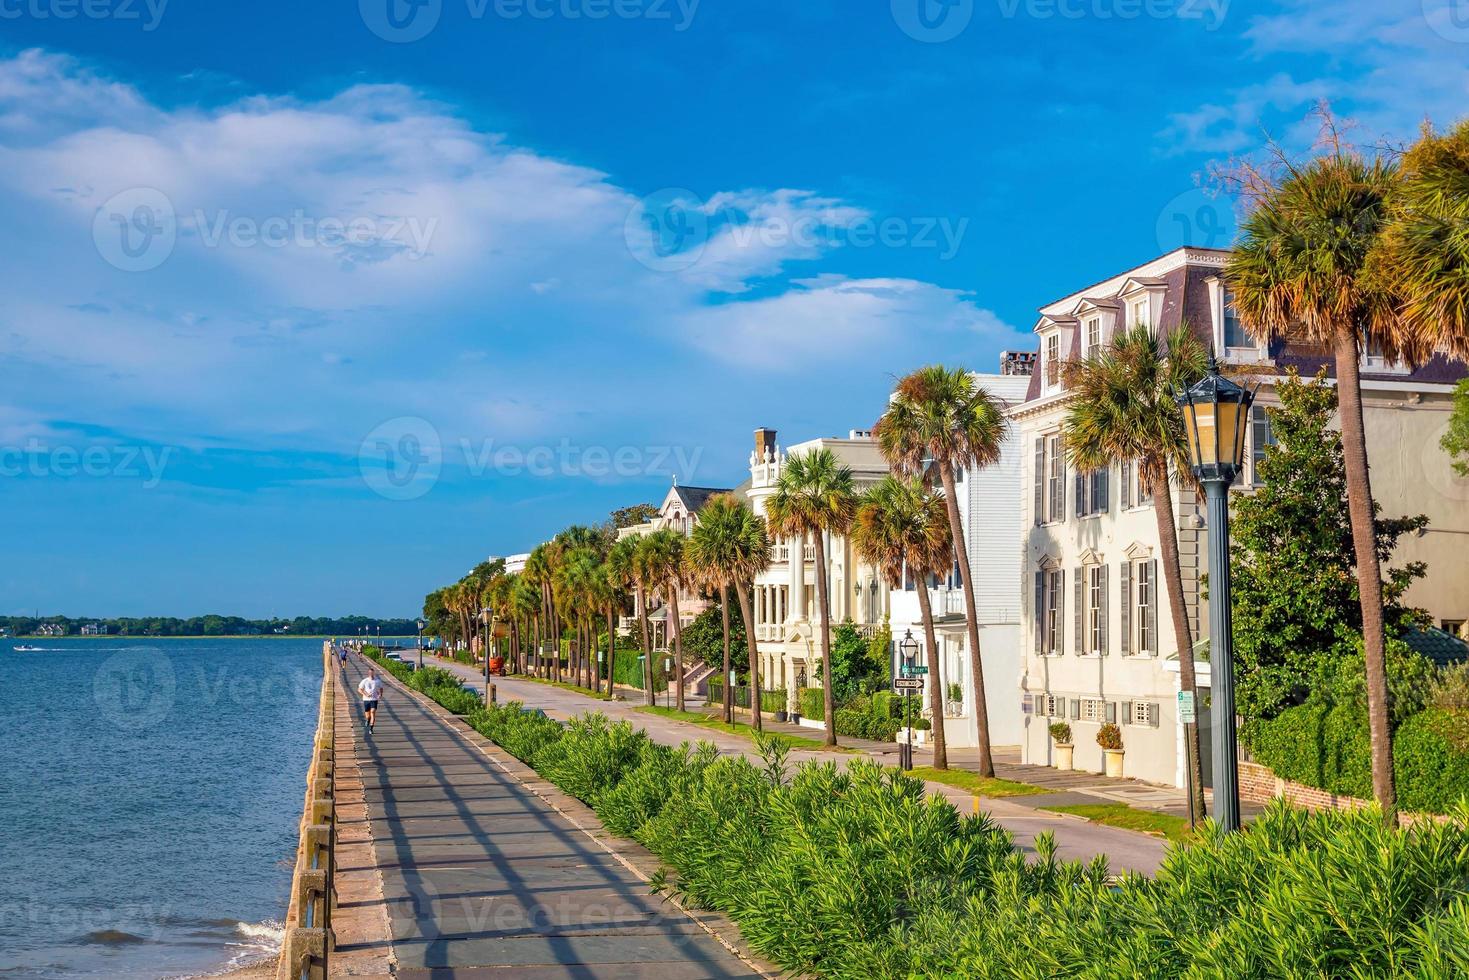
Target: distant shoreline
[{"x": 201, "y": 636}]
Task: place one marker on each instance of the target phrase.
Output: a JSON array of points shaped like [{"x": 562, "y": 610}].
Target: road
[
  {"x": 1076, "y": 838},
  {"x": 482, "y": 872}
]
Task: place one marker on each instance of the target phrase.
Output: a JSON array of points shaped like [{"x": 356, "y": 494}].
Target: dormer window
[
  {"x": 1235, "y": 334},
  {"x": 1139, "y": 314},
  {"x": 1093, "y": 335},
  {"x": 1053, "y": 360}
]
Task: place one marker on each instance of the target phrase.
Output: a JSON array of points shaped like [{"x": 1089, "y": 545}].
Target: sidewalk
[{"x": 1076, "y": 839}]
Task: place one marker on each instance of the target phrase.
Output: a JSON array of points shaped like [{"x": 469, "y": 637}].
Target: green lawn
[
  {"x": 974, "y": 783},
  {"x": 1130, "y": 818},
  {"x": 738, "y": 728},
  {"x": 561, "y": 684}
]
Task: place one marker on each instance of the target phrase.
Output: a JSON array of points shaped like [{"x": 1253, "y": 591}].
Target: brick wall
[{"x": 1259, "y": 784}]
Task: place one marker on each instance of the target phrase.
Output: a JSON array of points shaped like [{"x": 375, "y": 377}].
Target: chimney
[
  {"x": 764, "y": 444},
  {"x": 1013, "y": 362}
]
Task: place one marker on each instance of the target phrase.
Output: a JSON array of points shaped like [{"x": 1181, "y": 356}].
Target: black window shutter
[
  {"x": 1058, "y": 506},
  {"x": 1080, "y": 492},
  {"x": 1079, "y": 574},
  {"x": 1102, "y": 505},
  {"x": 1040, "y": 612},
  {"x": 1153, "y": 607},
  {"x": 1040, "y": 481},
  {"x": 1126, "y": 481},
  {"x": 1124, "y": 580}
]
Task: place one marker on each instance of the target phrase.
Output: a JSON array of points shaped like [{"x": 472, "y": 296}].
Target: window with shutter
[
  {"x": 1125, "y": 480},
  {"x": 1102, "y": 646},
  {"x": 1153, "y": 713},
  {"x": 1075, "y": 709},
  {"x": 1079, "y": 492},
  {"x": 1153, "y": 607},
  {"x": 1039, "y": 703},
  {"x": 1111, "y": 712},
  {"x": 1040, "y": 612},
  {"x": 1127, "y": 718},
  {"x": 1058, "y": 479}
]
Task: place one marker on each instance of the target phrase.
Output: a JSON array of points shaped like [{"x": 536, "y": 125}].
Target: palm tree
[
  {"x": 1299, "y": 268},
  {"x": 815, "y": 496},
  {"x": 729, "y": 546},
  {"x": 664, "y": 560},
  {"x": 538, "y": 574},
  {"x": 1423, "y": 256},
  {"x": 903, "y": 524},
  {"x": 1122, "y": 410},
  {"x": 940, "y": 421},
  {"x": 641, "y": 580},
  {"x": 620, "y": 563}
]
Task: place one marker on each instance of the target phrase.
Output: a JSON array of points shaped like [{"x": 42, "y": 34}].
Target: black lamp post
[
  {"x": 909, "y": 649},
  {"x": 420, "y": 644},
  {"x": 1216, "y": 414}
]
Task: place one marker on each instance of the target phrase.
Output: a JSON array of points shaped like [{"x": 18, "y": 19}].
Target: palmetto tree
[
  {"x": 939, "y": 421},
  {"x": 814, "y": 496},
  {"x": 524, "y": 606},
  {"x": 1299, "y": 268},
  {"x": 729, "y": 546},
  {"x": 622, "y": 562},
  {"x": 903, "y": 524},
  {"x": 1423, "y": 254},
  {"x": 1122, "y": 410},
  {"x": 538, "y": 574},
  {"x": 664, "y": 562}
]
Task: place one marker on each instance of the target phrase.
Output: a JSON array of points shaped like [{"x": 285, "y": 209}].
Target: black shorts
[{"x": 369, "y": 705}]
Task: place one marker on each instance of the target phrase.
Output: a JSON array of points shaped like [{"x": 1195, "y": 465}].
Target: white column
[{"x": 798, "y": 578}]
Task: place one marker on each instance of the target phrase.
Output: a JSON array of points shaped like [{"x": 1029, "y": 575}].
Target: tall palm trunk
[
  {"x": 726, "y": 686},
  {"x": 935, "y": 682},
  {"x": 747, "y": 602},
  {"x": 1157, "y": 476},
  {"x": 647, "y": 647},
  {"x": 536, "y": 654},
  {"x": 823, "y": 605},
  {"x": 1369, "y": 573},
  {"x": 611, "y": 649},
  {"x": 971, "y": 611},
  {"x": 677, "y": 646}
]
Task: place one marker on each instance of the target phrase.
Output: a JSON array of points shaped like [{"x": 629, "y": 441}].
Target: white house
[{"x": 1097, "y": 640}]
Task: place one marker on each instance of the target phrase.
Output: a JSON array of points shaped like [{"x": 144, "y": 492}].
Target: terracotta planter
[
  {"x": 1063, "y": 757},
  {"x": 1114, "y": 762}
]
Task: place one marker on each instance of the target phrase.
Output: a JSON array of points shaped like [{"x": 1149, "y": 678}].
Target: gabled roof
[
  {"x": 1442, "y": 648},
  {"x": 694, "y": 498}
]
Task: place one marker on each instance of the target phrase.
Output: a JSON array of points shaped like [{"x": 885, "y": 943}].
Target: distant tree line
[{"x": 210, "y": 626}]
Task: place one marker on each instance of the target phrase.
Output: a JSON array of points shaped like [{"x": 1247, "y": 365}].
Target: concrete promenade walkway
[
  {"x": 485, "y": 867},
  {"x": 1076, "y": 838}
]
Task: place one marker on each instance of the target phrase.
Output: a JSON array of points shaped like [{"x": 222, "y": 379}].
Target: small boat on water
[{"x": 28, "y": 649}]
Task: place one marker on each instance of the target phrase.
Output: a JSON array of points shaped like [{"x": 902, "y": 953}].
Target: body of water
[{"x": 150, "y": 797}]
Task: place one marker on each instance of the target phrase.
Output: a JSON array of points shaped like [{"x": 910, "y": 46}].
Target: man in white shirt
[{"x": 371, "y": 690}]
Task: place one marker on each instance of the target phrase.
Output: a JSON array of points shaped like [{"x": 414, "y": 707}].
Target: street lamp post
[
  {"x": 1216, "y": 414},
  {"x": 420, "y": 644},
  {"x": 909, "y": 649},
  {"x": 485, "y": 616}
]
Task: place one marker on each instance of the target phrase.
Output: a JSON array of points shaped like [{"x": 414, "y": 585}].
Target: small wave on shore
[{"x": 247, "y": 944}]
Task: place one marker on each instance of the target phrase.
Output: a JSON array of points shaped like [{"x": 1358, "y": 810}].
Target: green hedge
[
  {"x": 442, "y": 685},
  {"x": 1329, "y": 747},
  {"x": 858, "y": 873},
  {"x": 770, "y": 701},
  {"x": 812, "y": 705}
]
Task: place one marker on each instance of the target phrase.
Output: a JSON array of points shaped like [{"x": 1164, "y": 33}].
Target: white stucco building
[{"x": 1097, "y": 635}]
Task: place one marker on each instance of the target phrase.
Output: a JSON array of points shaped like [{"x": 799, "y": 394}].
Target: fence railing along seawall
[{"x": 308, "y": 938}]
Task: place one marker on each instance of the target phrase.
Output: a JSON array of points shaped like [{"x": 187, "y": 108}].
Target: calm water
[{"x": 150, "y": 793}]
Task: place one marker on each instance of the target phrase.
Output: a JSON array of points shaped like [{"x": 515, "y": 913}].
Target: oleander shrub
[{"x": 857, "y": 873}]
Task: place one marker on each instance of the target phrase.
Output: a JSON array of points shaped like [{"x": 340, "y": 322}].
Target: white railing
[
  {"x": 953, "y": 602},
  {"x": 782, "y": 553},
  {"x": 868, "y": 630},
  {"x": 768, "y": 631}
]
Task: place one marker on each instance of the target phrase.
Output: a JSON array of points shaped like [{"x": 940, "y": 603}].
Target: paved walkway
[
  {"x": 483, "y": 869},
  {"x": 1076, "y": 838}
]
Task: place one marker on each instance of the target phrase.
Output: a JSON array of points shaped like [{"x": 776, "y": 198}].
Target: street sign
[
  {"x": 908, "y": 683},
  {"x": 1186, "y": 712},
  {"x": 914, "y": 670}
]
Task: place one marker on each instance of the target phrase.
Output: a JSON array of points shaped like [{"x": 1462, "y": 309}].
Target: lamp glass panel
[
  {"x": 1228, "y": 431},
  {"x": 1204, "y": 443}
]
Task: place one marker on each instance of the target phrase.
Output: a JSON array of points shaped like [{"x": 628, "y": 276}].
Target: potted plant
[
  {"x": 1061, "y": 735},
  {"x": 956, "y": 697},
  {"x": 781, "y": 714},
  {"x": 1110, "y": 739}
]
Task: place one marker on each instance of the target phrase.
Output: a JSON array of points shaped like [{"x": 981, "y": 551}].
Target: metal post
[{"x": 1221, "y": 659}]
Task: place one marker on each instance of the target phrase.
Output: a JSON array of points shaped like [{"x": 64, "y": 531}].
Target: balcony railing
[
  {"x": 770, "y": 632},
  {"x": 782, "y": 553}
]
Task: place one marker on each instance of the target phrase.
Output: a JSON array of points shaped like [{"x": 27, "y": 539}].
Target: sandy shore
[{"x": 264, "y": 970}]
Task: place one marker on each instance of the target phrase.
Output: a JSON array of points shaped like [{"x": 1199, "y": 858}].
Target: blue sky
[{"x": 305, "y": 309}]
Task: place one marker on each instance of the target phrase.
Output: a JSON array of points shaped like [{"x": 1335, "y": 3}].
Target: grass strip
[
  {"x": 738, "y": 728},
  {"x": 973, "y": 782},
  {"x": 1121, "y": 815}
]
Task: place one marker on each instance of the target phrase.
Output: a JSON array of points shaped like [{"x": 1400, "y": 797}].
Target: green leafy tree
[
  {"x": 703, "y": 639},
  {"x": 1456, "y": 441},
  {"x": 636, "y": 514},
  {"x": 1297, "y": 615}
]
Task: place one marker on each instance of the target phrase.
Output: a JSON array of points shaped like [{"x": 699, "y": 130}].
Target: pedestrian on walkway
[{"x": 371, "y": 690}]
